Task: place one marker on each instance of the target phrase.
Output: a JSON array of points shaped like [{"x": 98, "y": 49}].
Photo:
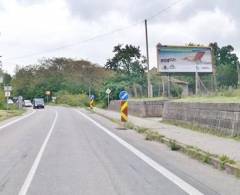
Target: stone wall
[
  {"x": 141, "y": 108},
  {"x": 220, "y": 117}
]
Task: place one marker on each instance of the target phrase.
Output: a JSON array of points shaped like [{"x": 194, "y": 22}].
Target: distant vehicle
[
  {"x": 10, "y": 101},
  {"x": 38, "y": 103},
  {"x": 27, "y": 103}
]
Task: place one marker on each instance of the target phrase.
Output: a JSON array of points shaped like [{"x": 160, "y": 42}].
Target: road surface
[{"x": 67, "y": 151}]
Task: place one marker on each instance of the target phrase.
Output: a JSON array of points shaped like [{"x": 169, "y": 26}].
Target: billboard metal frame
[
  {"x": 184, "y": 73},
  {"x": 177, "y": 47}
]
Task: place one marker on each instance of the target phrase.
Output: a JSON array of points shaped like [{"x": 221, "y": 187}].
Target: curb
[{"x": 215, "y": 161}]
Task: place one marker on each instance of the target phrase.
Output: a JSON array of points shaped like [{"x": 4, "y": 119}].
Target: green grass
[
  {"x": 141, "y": 130},
  {"x": 173, "y": 145},
  {"x": 5, "y": 114},
  {"x": 210, "y": 99},
  {"x": 196, "y": 99},
  {"x": 221, "y": 96},
  {"x": 81, "y": 100},
  {"x": 153, "y": 136},
  {"x": 148, "y": 99}
]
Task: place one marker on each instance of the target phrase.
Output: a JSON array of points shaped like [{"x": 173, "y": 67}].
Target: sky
[{"x": 31, "y": 30}]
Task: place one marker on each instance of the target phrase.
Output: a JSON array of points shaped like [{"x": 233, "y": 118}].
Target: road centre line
[
  {"x": 31, "y": 173},
  {"x": 159, "y": 168},
  {"x": 16, "y": 120}
]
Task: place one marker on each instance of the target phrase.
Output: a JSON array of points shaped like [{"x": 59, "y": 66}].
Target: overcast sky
[{"x": 33, "y": 29}]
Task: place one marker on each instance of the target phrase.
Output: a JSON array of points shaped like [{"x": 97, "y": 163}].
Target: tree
[
  {"x": 56, "y": 75},
  {"x": 129, "y": 64},
  {"x": 7, "y": 79},
  {"x": 227, "y": 64}
]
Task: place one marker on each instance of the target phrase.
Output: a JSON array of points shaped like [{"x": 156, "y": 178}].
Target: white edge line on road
[
  {"x": 165, "y": 172},
  {"x": 31, "y": 173},
  {"x": 18, "y": 119}
]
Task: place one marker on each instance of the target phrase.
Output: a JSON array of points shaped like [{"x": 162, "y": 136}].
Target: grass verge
[
  {"x": 209, "y": 99},
  {"x": 6, "y": 114}
]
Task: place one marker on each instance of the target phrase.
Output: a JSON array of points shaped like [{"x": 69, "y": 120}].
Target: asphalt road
[{"x": 69, "y": 151}]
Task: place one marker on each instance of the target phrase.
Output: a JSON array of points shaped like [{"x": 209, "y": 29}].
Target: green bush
[
  {"x": 173, "y": 145},
  {"x": 153, "y": 136},
  {"x": 176, "y": 91},
  {"x": 73, "y": 100},
  {"x": 2, "y": 100}
]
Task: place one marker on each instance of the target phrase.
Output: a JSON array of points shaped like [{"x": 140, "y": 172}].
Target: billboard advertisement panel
[{"x": 180, "y": 59}]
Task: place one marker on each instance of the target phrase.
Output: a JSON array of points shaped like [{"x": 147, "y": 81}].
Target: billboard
[{"x": 182, "y": 59}]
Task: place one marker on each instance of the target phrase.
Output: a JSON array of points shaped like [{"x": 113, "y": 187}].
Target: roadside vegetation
[
  {"x": 126, "y": 70},
  {"x": 71, "y": 81},
  {"x": 72, "y": 100},
  {"x": 6, "y": 114},
  {"x": 8, "y": 111},
  {"x": 221, "y": 96}
]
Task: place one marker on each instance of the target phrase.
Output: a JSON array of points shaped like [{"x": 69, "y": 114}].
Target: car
[
  {"x": 10, "y": 101},
  {"x": 38, "y": 103},
  {"x": 27, "y": 103}
]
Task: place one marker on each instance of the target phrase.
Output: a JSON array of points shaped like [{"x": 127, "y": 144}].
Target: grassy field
[
  {"x": 201, "y": 99},
  {"x": 4, "y": 114},
  {"x": 148, "y": 99},
  {"x": 210, "y": 99},
  {"x": 221, "y": 96}
]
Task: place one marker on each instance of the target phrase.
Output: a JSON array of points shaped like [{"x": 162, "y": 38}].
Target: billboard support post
[
  {"x": 163, "y": 87},
  {"x": 196, "y": 81},
  {"x": 169, "y": 83}
]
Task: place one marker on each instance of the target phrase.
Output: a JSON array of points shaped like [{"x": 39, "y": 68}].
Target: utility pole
[{"x": 148, "y": 73}]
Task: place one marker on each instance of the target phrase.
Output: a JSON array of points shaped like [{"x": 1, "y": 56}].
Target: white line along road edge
[
  {"x": 16, "y": 120},
  {"x": 165, "y": 172},
  {"x": 31, "y": 173}
]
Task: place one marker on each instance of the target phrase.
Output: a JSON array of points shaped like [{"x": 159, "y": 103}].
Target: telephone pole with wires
[{"x": 149, "y": 86}]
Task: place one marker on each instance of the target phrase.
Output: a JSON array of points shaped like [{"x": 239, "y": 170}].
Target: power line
[
  {"x": 164, "y": 9},
  {"x": 97, "y": 36},
  {"x": 77, "y": 43}
]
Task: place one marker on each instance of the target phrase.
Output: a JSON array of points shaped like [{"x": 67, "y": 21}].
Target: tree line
[{"x": 126, "y": 70}]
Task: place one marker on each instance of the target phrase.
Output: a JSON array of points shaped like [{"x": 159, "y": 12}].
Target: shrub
[
  {"x": 225, "y": 159},
  {"x": 2, "y": 100},
  {"x": 176, "y": 91},
  {"x": 141, "y": 130},
  {"x": 173, "y": 145},
  {"x": 153, "y": 136},
  {"x": 129, "y": 125},
  {"x": 206, "y": 158},
  {"x": 73, "y": 100}
]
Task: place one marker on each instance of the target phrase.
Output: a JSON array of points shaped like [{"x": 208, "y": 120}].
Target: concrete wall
[
  {"x": 221, "y": 117},
  {"x": 141, "y": 108}
]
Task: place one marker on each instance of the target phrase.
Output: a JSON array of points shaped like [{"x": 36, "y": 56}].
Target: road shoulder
[
  {"x": 187, "y": 168},
  {"x": 219, "y": 154}
]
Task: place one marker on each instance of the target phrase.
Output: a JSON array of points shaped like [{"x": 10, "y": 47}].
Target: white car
[
  {"x": 10, "y": 101},
  {"x": 27, "y": 103}
]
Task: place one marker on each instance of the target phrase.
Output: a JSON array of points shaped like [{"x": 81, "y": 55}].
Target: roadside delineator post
[
  {"x": 124, "y": 111},
  {"x": 91, "y": 104},
  {"x": 123, "y": 96}
]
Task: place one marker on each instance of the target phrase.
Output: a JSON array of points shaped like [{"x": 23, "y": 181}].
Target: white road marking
[
  {"x": 18, "y": 119},
  {"x": 31, "y": 173},
  {"x": 165, "y": 172}
]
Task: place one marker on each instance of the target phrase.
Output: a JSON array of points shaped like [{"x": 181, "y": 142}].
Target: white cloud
[{"x": 31, "y": 27}]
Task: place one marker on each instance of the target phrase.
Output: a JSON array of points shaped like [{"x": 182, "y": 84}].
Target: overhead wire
[{"x": 96, "y": 36}]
